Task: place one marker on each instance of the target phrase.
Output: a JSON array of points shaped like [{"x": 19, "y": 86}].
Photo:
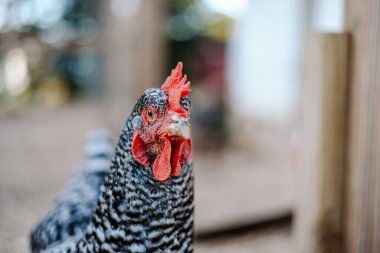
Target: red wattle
[
  {"x": 139, "y": 150},
  {"x": 177, "y": 168},
  {"x": 161, "y": 166},
  {"x": 187, "y": 150}
]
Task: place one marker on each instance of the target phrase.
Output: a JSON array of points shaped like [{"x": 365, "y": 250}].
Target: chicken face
[{"x": 162, "y": 129}]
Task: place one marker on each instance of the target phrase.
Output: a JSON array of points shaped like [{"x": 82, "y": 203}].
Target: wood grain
[
  {"x": 363, "y": 192},
  {"x": 318, "y": 225}
]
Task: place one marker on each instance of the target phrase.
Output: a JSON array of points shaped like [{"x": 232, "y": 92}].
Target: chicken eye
[{"x": 151, "y": 115}]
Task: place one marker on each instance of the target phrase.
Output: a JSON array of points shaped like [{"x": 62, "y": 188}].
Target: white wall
[{"x": 263, "y": 58}]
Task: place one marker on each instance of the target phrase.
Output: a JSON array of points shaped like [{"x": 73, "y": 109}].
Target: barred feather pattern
[
  {"x": 136, "y": 212},
  {"x": 75, "y": 206}
]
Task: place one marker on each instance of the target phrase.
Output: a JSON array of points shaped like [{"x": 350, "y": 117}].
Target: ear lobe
[{"x": 139, "y": 150}]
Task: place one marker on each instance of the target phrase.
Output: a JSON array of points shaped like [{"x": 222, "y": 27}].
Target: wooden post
[
  {"x": 133, "y": 50},
  {"x": 318, "y": 224},
  {"x": 363, "y": 191}
]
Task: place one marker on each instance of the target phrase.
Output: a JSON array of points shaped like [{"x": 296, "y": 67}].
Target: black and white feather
[
  {"x": 135, "y": 212},
  {"x": 75, "y": 206}
]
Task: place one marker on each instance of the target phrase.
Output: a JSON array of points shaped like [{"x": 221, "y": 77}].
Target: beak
[{"x": 179, "y": 127}]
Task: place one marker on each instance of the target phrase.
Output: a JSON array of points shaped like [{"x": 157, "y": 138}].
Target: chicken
[
  {"x": 146, "y": 202},
  {"x": 76, "y": 204}
]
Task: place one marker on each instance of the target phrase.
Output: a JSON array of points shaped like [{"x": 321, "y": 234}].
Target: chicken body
[{"x": 146, "y": 202}]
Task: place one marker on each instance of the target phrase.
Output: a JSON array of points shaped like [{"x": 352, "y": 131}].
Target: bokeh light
[
  {"x": 233, "y": 9},
  {"x": 16, "y": 72}
]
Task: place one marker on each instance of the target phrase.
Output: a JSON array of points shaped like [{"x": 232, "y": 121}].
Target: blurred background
[{"x": 69, "y": 66}]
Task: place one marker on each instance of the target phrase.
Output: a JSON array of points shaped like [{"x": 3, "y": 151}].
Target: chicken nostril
[{"x": 176, "y": 118}]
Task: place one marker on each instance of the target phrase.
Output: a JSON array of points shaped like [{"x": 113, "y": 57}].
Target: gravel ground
[{"x": 38, "y": 148}]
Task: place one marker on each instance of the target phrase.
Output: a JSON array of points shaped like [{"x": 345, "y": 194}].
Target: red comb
[{"x": 177, "y": 87}]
